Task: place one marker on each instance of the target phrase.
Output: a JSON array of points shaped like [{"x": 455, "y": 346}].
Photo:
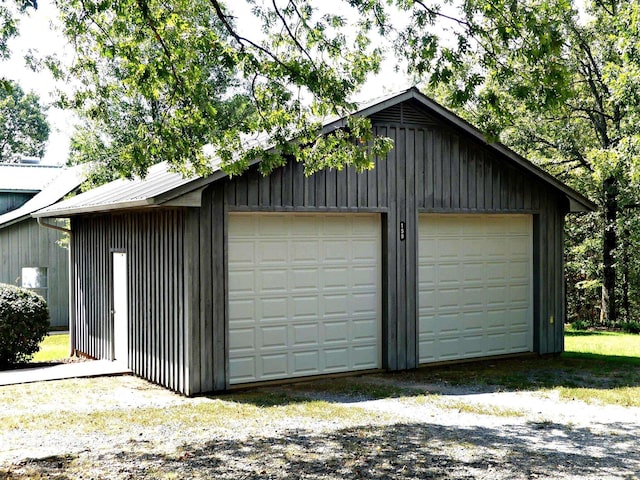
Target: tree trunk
[
  {"x": 626, "y": 307},
  {"x": 608, "y": 312}
]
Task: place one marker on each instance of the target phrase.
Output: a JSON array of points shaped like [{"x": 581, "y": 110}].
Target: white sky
[{"x": 36, "y": 33}]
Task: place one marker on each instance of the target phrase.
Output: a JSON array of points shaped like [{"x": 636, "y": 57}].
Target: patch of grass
[
  {"x": 53, "y": 347},
  {"x": 593, "y": 378},
  {"x": 481, "y": 409},
  {"x": 224, "y": 412},
  {"x": 615, "y": 346},
  {"x": 441, "y": 401},
  {"x": 623, "y": 396}
]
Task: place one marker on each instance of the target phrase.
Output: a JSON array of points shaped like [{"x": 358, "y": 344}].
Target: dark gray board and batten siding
[
  {"x": 430, "y": 170},
  {"x": 12, "y": 200},
  {"x": 162, "y": 302},
  {"x": 178, "y": 265},
  {"x": 26, "y": 244}
]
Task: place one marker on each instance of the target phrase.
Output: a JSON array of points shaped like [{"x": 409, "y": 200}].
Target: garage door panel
[
  {"x": 475, "y": 301},
  {"x": 244, "y": 368},
  {"x": 366, "y": 330},
  {"x": 305, "y": 363},
  {"x": 242, "y": 309},
  {"x": 334, "y": 251},
  {"x": 270, "y": 308},
  {"x": 270, "y": 280},
  {"x": 519, "y": 271},
  {"x": 497, "y": 270},
  {"x": 334, "y": 359},
  {"x": 334, "y": 278},
  {"x": 363, "y": 276},
  {"x": 519, "y": 293},
  {"x": 473, "y": 321},
  {"x": 301, "y": 279},
  {"x": 363, "y": 303},
  {"x": 272, "y": 366},
  {"x": 474, "y": 272},
  {"x": 274, "y": 337},
  {"x": 241, "y": 281},
  {"x": 271, "y": 252},
  {"x": 472, "y": 297},
  {"x": 303, "y": 307},
  {"x": 336, "y": 332},
  {"x": 305, "y": 335},
  {"x": 242, "y": 339},
  {"x": 317, "y": 307},
  {"x": 364, "y": 356}
]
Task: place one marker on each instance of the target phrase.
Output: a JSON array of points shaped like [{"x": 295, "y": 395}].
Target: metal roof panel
[{"x": 66, "y": 181}]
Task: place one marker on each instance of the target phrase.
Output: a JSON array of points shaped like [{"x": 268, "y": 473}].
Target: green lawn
[
  {"x": 53, "y": 347},
  {"x": 599, "y": 367},
  {"x": 613, "y": 346}
]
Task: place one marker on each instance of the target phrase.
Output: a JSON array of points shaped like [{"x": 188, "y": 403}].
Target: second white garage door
[
  {"x": 475, "y": 286},
  {"x": 303, "y": 294}
]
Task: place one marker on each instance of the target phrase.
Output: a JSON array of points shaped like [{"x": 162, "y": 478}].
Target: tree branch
[
  {"x": 243, "y": 40},
  {"x": 291, "y": 35},
  {"x": 144, "y": 9}
]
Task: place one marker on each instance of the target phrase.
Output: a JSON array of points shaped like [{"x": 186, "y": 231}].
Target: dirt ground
[{"x": 369, "y": 427}]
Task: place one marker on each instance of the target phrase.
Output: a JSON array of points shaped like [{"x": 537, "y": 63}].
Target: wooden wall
[
  {"x": 160, "y": 246},
  {"x": 432, "y": 168},
  {"x": 11, "y": 201},
  {"x": 177, "y": 258},
  {"x": 26, "y": 244}
]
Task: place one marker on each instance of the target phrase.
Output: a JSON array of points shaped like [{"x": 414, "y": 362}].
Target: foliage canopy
[
  {"x": 24, "y": 129},
  {"x": 557, "y": 80}
]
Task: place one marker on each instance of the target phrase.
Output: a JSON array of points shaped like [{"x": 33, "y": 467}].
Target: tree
[
  {"x": 180, "y": 81},
  {"x": 560, "y": 86},
  {"x": 23, "y": 125},
  {"x": 9, "y": 15}
]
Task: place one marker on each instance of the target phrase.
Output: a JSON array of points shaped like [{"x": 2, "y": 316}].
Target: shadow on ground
[
  {"x": 501, "y": 375},
  {"x": 399, "y": 451},
  {"x": 530, "y": 373}
]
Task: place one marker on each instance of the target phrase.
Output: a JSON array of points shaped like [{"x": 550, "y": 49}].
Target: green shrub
[
  {"x": 24, "y": 322},
  {"x": 580, "y": 325},
  {"x": 630, "y": 326}
]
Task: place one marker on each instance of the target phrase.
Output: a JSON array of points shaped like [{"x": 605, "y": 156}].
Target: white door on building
[
  {"x": 475, "y": 286},
  {"x": 120, "y": 309},
  {"x": 304, "y": 294}
]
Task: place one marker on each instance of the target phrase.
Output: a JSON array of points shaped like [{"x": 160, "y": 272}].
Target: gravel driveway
[{"x": 126, "y": 428}]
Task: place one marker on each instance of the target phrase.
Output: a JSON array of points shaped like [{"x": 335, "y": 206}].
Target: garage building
[{"x": 449, "y": 249}]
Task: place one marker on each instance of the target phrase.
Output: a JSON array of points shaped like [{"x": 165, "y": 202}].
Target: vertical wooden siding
[
  {"x": 160, "y": 256},
  {"x": 430, "y": 169},
  {"x": 11, "y": 201},
  {"x": 177, "y": 258},
  {"x": 26, "y": 244}
]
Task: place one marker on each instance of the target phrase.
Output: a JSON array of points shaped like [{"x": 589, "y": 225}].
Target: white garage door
[
  {"x": 303, "y": 294},
  {"x": 475, "y": 286}
]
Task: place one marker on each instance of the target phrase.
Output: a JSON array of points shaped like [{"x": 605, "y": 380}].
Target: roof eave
[
  {"x": 70, "y": 212},
  {"x": 14, "y": 221}
]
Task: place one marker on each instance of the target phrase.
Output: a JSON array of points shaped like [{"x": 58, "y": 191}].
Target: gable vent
[{"x": 404, "y": 114}]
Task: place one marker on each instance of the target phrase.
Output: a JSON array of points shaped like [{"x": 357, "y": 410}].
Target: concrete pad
[{"x": 90, "y": 368}]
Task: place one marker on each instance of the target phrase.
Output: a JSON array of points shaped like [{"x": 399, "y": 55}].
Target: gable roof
[
  {"x": 18, "y": 177},
  {"x": 68, "y": 180},
  {"x": 164, "y": 188}
]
